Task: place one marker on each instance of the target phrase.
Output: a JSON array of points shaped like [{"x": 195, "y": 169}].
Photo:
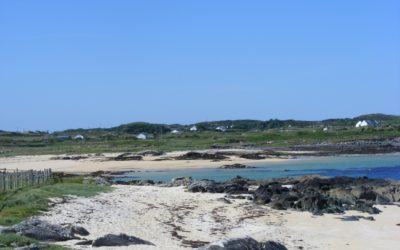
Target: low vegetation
[{"x": 20, "y": 204}]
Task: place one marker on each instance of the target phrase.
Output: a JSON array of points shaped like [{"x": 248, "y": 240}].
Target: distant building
[
  {"x": 79, "y": 137},
  {"x": 221, "y": 128},
  {"x": 193, "y": 128},
  {"x": 325, "y": 129},
  {"x": 366, "y": 123},
  {"x": 144, "y": 136},
  {"x": 175, "y": 131},
  {"x": 141, "y": 136}
]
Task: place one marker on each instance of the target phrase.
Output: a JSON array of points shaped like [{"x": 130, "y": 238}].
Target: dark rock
[
  {"x": 181, "y": 181},
  {"x": 126, "y": 157},
  {"x": 84, "y": 243},
  {"x": 235, "y": 166},
  {"x": 253, "y": 156},
  {"x": 356, "y": 218},
  {"x": 206, "y": 186},
  {"x": 79, "y": 230},
  {"x": 224, "y": 200},
  {"x": 42, "y": 230},
  {"x": 235, "y": 189},
  {"x": 119, "y": 240},
  {"x": 201, "y": 156},
  {"x": 242, "y": 244}
]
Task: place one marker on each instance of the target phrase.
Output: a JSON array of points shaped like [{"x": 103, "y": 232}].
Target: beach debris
[
  {"x": 243, "y": 243},
  {"x": 42, "y": 230},
  {"x": 235, "y": 166},
  {"x": 356, "y": 218},
  {"x": 119, "y": 240}
]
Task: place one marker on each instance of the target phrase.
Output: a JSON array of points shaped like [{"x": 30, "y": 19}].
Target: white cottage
[
  {"x": 193, "y": 128},
  {"x": 366, "y": 123}
]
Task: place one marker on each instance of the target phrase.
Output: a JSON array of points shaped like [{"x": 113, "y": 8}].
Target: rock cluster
[
  {"x": 243, "y": 243},
  {"x": 201, "y": 156},
  {"x": 328, "y": 195},
  {"x": 119, "y": 240},
  {"x": 235, "y": 166},
  {"x": 44, "y": 231}
]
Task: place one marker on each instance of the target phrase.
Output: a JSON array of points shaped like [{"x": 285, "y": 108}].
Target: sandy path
[
  {"x": 94, "y": 163},
  {"x": 174, "y": 219}
]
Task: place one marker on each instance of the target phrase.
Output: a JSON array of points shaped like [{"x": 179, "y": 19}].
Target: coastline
[
  {"x": 172, "y": 218},
  {"x": 98, "y": 163}
]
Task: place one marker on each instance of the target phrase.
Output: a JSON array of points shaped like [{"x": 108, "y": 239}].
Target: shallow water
[{"x": 372, "y": 166}]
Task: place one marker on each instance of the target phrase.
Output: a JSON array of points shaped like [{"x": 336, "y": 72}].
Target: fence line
[{"x": 18, "y": 179}]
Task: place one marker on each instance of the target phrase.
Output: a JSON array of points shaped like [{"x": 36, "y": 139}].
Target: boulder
[
  {"x": 44, "y": 231},
  {"x": 235, "y": 166},
  {"x": 181, "y": 181},
  {"x": 96, "y": 180},
  {"x": 206, "y": 186},
  {"x": 201, "y": 156},
  {"x": 243, "y": 243},
  {"x": 119, "y": 240}
]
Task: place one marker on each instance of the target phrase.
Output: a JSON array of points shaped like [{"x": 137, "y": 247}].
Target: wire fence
[{"x": 10, "y": 180}]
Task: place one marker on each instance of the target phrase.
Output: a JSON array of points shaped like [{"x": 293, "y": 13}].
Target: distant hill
[{"x": 235, "y": 125}]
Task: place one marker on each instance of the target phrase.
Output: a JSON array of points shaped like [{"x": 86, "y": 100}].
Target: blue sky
[{"x": 69, "y": 64}]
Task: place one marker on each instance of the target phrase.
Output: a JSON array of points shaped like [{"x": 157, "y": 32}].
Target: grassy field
[{"x": 100, "y": 142}]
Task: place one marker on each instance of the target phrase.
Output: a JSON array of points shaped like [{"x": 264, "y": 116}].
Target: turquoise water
[{"x": 373, "y": 166}]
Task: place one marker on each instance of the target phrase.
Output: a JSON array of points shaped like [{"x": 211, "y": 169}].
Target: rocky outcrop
[
  {"x": 126, "y": 157},
  {"x": 235, "y": 166},
  {"x": 44, "y": 231},
  {"x": 119, "y": 240},
  {"x": 201, "y": 156},
  {"x": 244, "y": 243},
  {"x": 181, "y": 181},
  {"x": 328, "y": 195},
  {"x": 210, "y": 186}
]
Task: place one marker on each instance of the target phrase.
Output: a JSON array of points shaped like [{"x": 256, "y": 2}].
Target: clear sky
[{"x": 70, "y": 64}]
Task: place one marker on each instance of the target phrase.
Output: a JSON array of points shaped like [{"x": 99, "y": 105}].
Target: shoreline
[
  {"x": 166, "y": 162},
  {"x": 172, "y": 218}
]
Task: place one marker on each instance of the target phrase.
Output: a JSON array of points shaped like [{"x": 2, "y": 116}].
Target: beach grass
[
  {"x": 22, "y": 203},
  {"x": 10, "y": 241}
]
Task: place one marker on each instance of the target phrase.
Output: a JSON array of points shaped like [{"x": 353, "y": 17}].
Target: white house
[
  {"x": 175, "y": 131},
  {"x": 194, "y": 128},
  {"x": 221, "y": 128},
  {"x": 366, "y": 123},
  {"x": 79, "y": 137},
  {"x": 325, "y": 129},
  {"x": 141, "y": 136}
]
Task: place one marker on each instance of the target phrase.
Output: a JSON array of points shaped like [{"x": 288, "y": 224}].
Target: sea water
[{"x": 373, "y": 166}]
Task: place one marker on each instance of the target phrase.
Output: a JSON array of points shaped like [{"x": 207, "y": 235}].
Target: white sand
[
  {"x": 92, "y": 164},
  {"x": 170, "y": 217}
]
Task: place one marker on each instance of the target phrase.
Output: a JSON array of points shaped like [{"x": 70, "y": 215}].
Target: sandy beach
[
  {"x": 97, "y": 163},
  {"x": 172, "y": 218}
]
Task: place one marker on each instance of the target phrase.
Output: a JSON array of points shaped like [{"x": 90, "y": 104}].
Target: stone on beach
[
  {"x": 119, "y": 240},
  {"x": 42, "y": 230},
  {"x": 243, "y": 243}
]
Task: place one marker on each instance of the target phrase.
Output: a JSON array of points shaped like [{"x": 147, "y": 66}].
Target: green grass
[
  {"x": 21, "y": 204},
  {"x": 10, "y": 241}
]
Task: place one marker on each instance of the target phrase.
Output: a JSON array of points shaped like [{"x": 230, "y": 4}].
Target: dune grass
[
  {"x": 20, "y": 204},
  {"x": 10, "y": 241}
]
